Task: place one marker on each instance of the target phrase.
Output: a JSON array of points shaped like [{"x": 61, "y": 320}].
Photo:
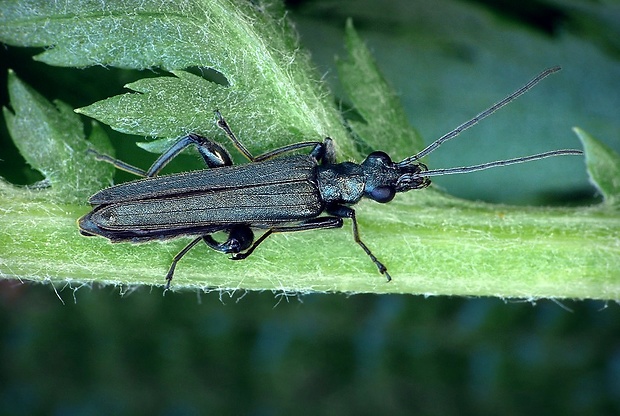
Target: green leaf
[
  {"x": 51, "y": 139},
  {"x": 385, "y": 123},
  {"x": 272, "y": 98},
  {"x": 121, "y": 33},
  {"x": 603, "y": 167},
  {"x": 431, "y": 243}
]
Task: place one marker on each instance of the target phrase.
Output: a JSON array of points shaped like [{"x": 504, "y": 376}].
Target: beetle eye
[
  {"x": 382, "y": 156},
  {"x": 382, "y": 194}
]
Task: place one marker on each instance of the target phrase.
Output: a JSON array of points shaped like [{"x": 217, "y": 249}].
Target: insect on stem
[{"x": 277, "y": 192}]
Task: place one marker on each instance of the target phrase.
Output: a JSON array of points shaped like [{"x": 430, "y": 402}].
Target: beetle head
[{"x": 384, "y": 177}]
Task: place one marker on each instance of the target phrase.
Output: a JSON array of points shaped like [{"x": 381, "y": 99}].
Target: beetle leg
[
  {"x": 311, "y": 224},
  {"x": 119, "y": 164},
  {"x": 288, "y": 148},
  {"x": 221, "y": 123},
  {"x": 346, "y": 212},
  {"x": 321, "y": 152},
  {"x": 240, "y": 237},
  {"x": 176, "y": 259},
  {"x": 325, "y": 152},
  {"x": 214, "y": 155}
]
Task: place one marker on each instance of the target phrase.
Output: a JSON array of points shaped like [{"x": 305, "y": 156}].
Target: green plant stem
[{"x": 450, "y": 247}]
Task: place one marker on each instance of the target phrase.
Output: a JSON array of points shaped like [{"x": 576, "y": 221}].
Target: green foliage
[
  {"x": 270, "y": 83},
  {"x": 51, "y": 139},
  {"x": 604, "y": 168},
  {"x": 432, "y": 243},
  {"x": 385, "y": 123}
]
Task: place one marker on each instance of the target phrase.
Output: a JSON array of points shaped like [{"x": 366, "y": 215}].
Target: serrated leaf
[
  {"x": 51, "y": 139},
  {"x": 273, "y": 95},
  {"x": 603, "y": 166},
  {"x": 165, "y": 106},
  {"x": 112, "y": 33},
  {"x": 386, "y": 126}
]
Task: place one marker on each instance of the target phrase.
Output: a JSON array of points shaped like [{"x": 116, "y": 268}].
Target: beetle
[{"x": 276, "y": 192}]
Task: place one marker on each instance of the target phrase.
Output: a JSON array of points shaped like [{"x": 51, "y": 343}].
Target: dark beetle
[{"x": 275, "y": 192}]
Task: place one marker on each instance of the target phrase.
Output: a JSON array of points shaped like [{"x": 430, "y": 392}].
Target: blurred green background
[
  {"x": 266, "y": 354},
  {"x": 107, "y": 350}
]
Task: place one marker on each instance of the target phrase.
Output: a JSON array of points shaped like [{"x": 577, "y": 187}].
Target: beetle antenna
[
  {"x": 483, "y": 166},
  {"x": 451, "y": 135}
]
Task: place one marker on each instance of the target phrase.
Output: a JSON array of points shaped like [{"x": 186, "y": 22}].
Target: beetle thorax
[{"x": 341, "y": 183}]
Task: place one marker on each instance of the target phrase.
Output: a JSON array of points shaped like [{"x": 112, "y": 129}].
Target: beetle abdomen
[{"x": 272, "y": 203}]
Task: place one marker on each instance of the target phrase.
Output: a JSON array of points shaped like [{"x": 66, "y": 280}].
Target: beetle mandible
[{"x": 276, "y": 192}]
